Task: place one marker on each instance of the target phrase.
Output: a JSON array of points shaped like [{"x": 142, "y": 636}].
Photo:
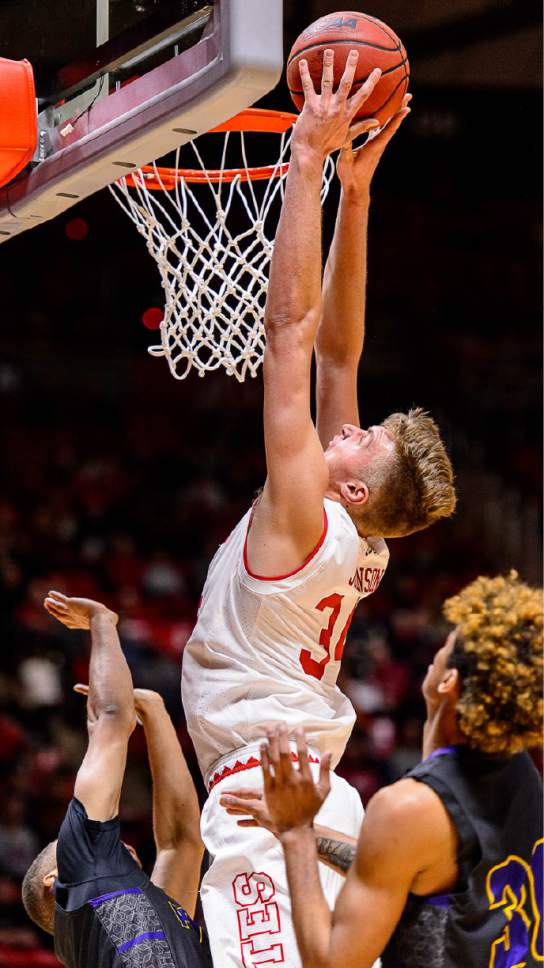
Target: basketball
[{"x": 377, "y": 45}]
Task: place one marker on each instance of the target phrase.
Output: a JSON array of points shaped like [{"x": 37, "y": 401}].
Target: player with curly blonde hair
[
  {"x": 498, "y": 652},
  {"x": 447, "y": 872}
]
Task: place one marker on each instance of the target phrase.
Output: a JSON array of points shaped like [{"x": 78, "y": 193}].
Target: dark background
[{"x": 119, "y": 482}]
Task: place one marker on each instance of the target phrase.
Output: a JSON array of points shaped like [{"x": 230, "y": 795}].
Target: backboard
[{"x": 122, "y": 82}]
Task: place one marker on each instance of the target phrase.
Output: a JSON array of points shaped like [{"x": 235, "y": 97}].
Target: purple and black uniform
[
  {"x": 108, "y": 914},
  {"x": 493, "y": 917}
]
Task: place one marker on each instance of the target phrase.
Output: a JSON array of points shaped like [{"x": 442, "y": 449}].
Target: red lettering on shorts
[{"x": 259, "y": 924}]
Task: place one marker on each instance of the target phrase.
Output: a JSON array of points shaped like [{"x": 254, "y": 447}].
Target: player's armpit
[
  {"x": 100, "y": 777},
  {"x": 177, "y": 873}
]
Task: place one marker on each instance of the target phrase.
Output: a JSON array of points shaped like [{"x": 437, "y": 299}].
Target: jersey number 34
[{"x": 331, "y": 604}]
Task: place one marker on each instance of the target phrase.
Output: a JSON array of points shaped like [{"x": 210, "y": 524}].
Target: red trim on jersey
[
  {"x": 296, "y": 570},
  {"x": 250, "y": 764}
]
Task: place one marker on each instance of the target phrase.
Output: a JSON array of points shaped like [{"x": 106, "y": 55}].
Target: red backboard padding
[{"x": 18, "y": 120}]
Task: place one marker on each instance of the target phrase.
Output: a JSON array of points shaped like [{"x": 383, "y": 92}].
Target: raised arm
[
  {"x": 288, "y": 519},
  {"x": 407, "y": 844},
  {"x": 110, "y": 705},
  {"x": 340, "y": 336},
  {"x": 176, "y": 814}
]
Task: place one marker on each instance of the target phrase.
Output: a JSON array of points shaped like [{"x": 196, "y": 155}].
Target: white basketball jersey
[{"x": 268, "y": 650}]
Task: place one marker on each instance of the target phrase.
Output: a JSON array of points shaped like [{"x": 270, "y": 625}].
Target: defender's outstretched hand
[
  {"x": 292, "y": 797},
  {"x": 327, "y": 119},
  {"x": 356, "y": 168},
  {"x": 75, "y": 613}
]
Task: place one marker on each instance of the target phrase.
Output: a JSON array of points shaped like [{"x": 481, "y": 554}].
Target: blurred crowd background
[{"x": 118, "y": 483}]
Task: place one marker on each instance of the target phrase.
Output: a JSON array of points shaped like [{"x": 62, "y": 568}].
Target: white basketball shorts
[{"x": 244, "y": 893}]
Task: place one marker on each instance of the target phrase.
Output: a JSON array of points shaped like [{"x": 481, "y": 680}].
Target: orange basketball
[{"x": 377, "y": 45}]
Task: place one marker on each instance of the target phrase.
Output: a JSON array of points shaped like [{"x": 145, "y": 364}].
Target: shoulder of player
[{"x": 407, "y": 812}]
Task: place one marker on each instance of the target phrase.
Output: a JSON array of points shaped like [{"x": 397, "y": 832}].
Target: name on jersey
[{"x": 366, "y": 580}]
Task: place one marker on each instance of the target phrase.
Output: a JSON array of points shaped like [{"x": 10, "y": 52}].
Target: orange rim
[{"x": 259, "y": 120}]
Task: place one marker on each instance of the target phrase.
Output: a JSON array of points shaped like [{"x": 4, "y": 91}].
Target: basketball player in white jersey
[{"x": 281, "y": 591}]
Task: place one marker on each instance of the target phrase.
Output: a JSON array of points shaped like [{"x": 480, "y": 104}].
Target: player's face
[
  {"x": 438, "y": 669},
  {"x": 353, "y": 450}
]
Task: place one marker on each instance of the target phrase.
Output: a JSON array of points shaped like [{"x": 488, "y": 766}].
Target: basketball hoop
[{"x": 213, "y": 249}]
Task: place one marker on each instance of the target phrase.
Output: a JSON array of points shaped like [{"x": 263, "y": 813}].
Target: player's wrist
[
  {"x": 300, "y": 834},
  {"x": 306, "y": 152},
  {"x": 101, "y": 615},
  {"x": 356, "y": 196}
]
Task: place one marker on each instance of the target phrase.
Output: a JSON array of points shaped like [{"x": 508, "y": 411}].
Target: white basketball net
[{"x": 213, "y": 257}]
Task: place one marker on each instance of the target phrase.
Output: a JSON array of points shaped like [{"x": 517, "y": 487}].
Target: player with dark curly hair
[
  {"x": 498, "y": 652},
  {"x": 447, "y": 872}
]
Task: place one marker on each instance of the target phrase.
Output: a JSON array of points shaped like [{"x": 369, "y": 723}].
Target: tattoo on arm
[{"x": 336, "y": 852}]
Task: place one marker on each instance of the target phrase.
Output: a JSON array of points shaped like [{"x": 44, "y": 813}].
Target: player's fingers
[
  {"x": 346, "y": 80},
  {"x": 364, "y": 92},
  {"x": 243, "y": 793},
  {"x": 363, "y": 127},
  {"x": 53, "y": 604},
  {"x": 273, "y": 750},
  {"x": 324, "y": 783},
  {"x": 268, "y": 777},
  {"x": 393, "y": 125},
  {"x": 384, "y": 137},
  {"x": 239, "y": 803},
  {"x": 58, "y": 595},
  {"x": 302, "y": 751},
  {"x": 306, "y": 79},
  {"x": 286, "y": 763},
  {"x": 327, "y": 77},
  {"x": 60, "y": 600},
  {"x": 236, "y": 811}
]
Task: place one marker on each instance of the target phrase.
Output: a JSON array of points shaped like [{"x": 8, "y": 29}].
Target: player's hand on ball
[
  {"x": 326, "y": 120},
  {"x": 356, "y": 168},
  {"x": 75, "y": 613},
  {"x": 292, "y": 797}
]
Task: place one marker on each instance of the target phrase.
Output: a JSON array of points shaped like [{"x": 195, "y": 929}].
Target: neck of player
[{"x": 440, "y": 729}]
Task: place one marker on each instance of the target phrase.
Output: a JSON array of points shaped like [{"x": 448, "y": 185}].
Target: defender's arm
[
  {"x": 403, "y": 834},
  {"x": 176, "y": 814},
  {"x": 110, "y": 705}
]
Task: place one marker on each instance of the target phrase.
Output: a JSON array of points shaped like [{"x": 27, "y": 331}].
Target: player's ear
[
  {"x": 450, "y": 685},
  {"x": 49, "y": 879},
  {"x": 354, "y": 492}
]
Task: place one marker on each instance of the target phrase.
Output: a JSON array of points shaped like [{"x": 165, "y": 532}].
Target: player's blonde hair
[
  {"x": 498, "y": 651},
  {"x": 418, "y": 486}
]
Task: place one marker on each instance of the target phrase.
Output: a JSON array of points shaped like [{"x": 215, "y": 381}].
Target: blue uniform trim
[
  {"x": 96, "y": 901},
  {"x": 438, "y": 900},
  {"x": 146, "y": 936}
]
